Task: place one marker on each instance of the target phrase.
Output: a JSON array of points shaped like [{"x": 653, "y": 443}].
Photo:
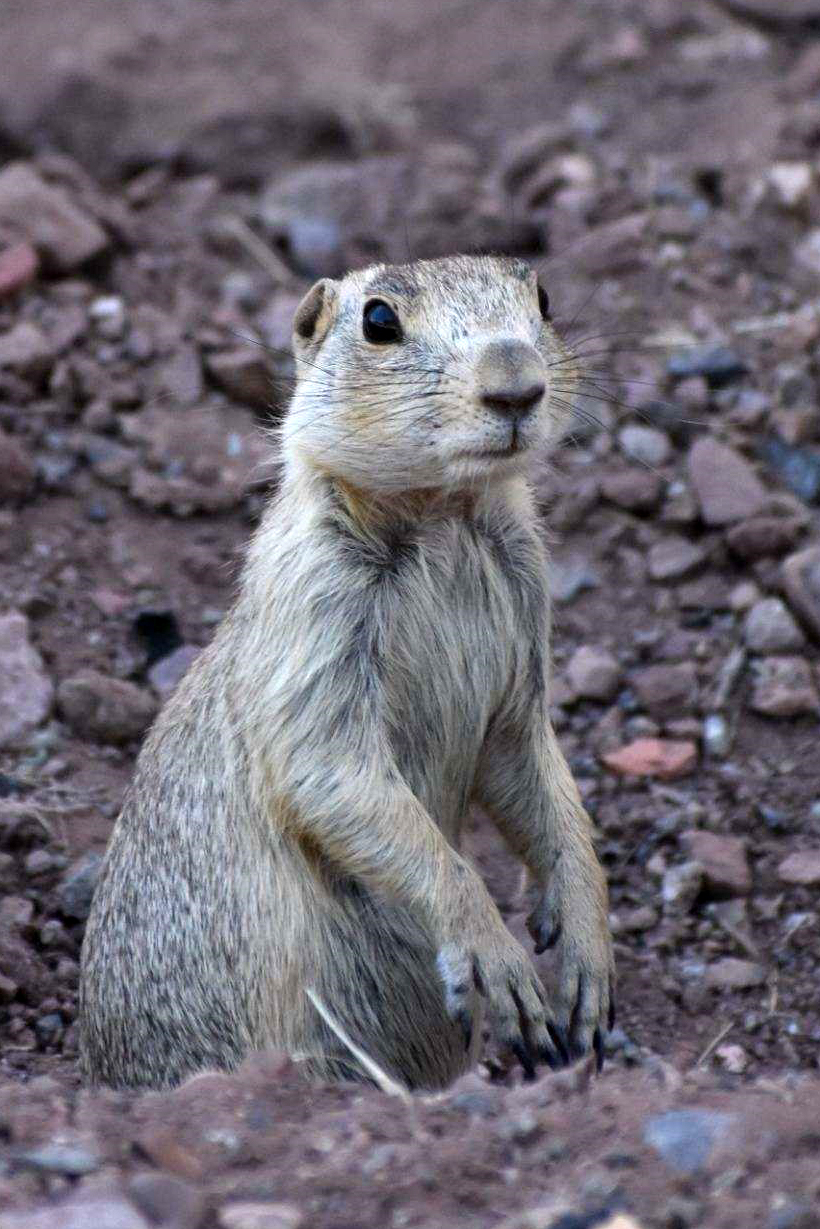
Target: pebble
[
  {"x": 109, "y": 316},
  {"x": 247, "y": 1215},
  {"x": 673, "y": 558},
  {"x": 569, "y": 577},
  {"x": 732, "y": 973},
  {"x": 166, "y": 673},
  {"x": 784, "y": 687},
  {"x": 770, "y": 628},
  {"x": 681, "y": 886},
  {"x": 801, "y": 582},
  {"x": 801, "y": 868},
  {"x": 244, "y": 374},
  {"x": 107, "y": 709},
  {"x": 791, "y": 183},
  {"x": 760, "y": 536},
  {"x": 685, "y": 1138},
  {"x": 18, "y": 267},
  {"x": 636, "y": 490},
  {"x": 646, "y": 445},
  {"x": 743, "y": 596},
  {"x": 17, "y": 473},
  {"x": 666, "y": 690},
  {"x": 98, "y": 1209},
  {"x": 26, "y": 689},
  {"x": 797, "y": 467},
  {"x": 71, "y": 1160},
  {"x": 725, "y": 485},
  {"x": 717, "y": 739},
  {"x": 717, "y": 364},
  {"x": 653, "y": 757},
  {"x": 733, "y": 1058},
  {"x": 724, "y": 860},
  {"x": 593, "y": 673},
  {"x": 76, "y": 888},
  {"x": 167, "y": 1200},
  {"x": 25, "y": 350},
  {"x": 45, "y": 216}
]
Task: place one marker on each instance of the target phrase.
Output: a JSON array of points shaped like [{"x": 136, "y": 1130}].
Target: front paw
[{"x": 579, "y": 931}]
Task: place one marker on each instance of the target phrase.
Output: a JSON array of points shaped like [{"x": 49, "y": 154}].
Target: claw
[
  {"x": 522, "y": 1053},
  {"x": 464, "y": 1020},
  {"x": 478, "y": 979},
  {"x": 543, "y": 945},
  {"x": 598, "y": 1044},
  {"x": 559, "y": 1041}
]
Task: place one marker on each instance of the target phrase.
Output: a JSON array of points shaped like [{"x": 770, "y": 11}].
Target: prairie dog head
[{"x": 433, "y": 375}]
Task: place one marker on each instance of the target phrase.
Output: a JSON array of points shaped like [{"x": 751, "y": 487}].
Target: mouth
[{"x": 497, "y": 454}]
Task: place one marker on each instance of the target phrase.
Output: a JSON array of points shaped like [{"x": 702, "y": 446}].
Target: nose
[
  {"x": 510, "y": 378},
  {"x": 513, "y": 401}
]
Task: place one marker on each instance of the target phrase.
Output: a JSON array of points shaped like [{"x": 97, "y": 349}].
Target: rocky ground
[{"x": 172, "y": 176}]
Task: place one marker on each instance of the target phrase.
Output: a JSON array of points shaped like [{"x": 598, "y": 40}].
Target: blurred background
[{"x": 174, "y": 173}]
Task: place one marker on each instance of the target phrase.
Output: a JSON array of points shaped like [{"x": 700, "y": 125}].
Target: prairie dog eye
[
  {"x": 543, "y": 302},
  {"x": 380, "y": 324}
]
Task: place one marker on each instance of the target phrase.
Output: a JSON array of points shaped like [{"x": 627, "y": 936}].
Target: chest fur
[{"x": 466, "y": 629}]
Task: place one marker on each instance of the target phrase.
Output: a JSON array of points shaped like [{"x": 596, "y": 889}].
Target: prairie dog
[{"x": 295, "y": 814}]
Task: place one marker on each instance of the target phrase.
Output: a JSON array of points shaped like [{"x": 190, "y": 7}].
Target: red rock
[
  {"x": 802, "y": 868},
  {"x": 725, "y": 485},
  {"x": 47, "y": 217},
  {"x": 18, "y": 267},
  {"x": 724, "y": 861},
  {"x": 653, "y": 757}
]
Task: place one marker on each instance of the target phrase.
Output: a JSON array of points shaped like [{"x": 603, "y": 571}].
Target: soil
[{"x": 659, "y": 164}]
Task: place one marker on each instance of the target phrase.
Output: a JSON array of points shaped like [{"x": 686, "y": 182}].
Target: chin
[{"x": 478, "y": 470}]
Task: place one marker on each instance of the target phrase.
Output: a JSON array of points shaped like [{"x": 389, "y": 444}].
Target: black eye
[
  {"x": 380, "y": 324},
  {"x": 543, "y": 302}
]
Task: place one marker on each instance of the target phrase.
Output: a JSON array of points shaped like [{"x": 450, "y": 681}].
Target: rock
[
  {"x": 593, "y": 674},
  {"x": 724, "y": 860},
  {"x": 26, "y": 691},
  {"x": 801, "y": 868},
  {"x": 247, "y": 1215},
  {"x": 168, "y": 670},
  {"x": 681, "y": 886},
  {"x": 787, "y": 16},
  {"x": 646, "y": 445},
  {"x": 717, "y": 739},
  {"x": 636, "y": 490},
  {"x": 784, "y": 687},
  {"x": 791, "y": 183},
  {"x": 17, "y": 475},
  {"x": 666, "y": 690},
  {"x": 725, "y": 485},
  {"x": 743, "y": 596},
  {"x": 732, "y": 973},
  {"x": 76, "y": 888},
  {"x": 98, "y": 1209},
  {"x": 71, "y": 1160},
  {"x": 46, "y": 217},
  {"x": 18, "y": 267},
  {"x": 673, "y": 558},
  {"x": 796, "y": 466},
  {"x": 653, "y": 757},
  {"x": 801, "y": 581},
  {"x": 733, "y": 1058},
  {"x": 168, "y": 1201},
  {"x": 686, "y": 1138},
  {"x": 25, "y": 350},
  {"x": 760, "y": 536},
  {"x": 108, "y": 316},
  {"x": 717, "y": 364},
  {"x": 770, "y": 628},
  {"x": 807, "y": 251},
  {"x": 109, "y": 709},
  {"x": 570, "y": 576},
  {"x": 244, "y": 373}
]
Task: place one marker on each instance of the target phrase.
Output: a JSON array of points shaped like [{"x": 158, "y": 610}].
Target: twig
[
  {"x": 714, "y": 1043},
  {"x": 385, "y": 1082},
  {"x": 273, "y": 264}
]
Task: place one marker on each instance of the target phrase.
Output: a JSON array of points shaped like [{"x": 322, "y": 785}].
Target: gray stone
[
  {"x": 725, "y": 485},
  {"x": 31, "y": 209},
  {"x": 636, "y": 490},
  {"x": 801, "y": 581},
  {"x": 673, "y": 558},
  {"x": 593, "y": 674},
  {"x": 681, "y": 887},
  {"x": 716, "y": 737},
  {"x": 99, "y": 1209},
  {"x": 797, "y": 467},
  {"x": 76, "y": 888},
  {"x": 770, "y": 628},
  {"x": 717, "y": 364},
  {"x": 260, "y": 1215},
  {"x": 784, "y": 687},
  {"x": 686, "y": 1138},
  {"x": 71, "y": 1160},
  {"x": 16, "y": 470},
  {"x": 109, "y": 709},
  {"x": 646, "y": 445},
  {"x": 25, "y": 350},
  {"x": 244, "y": 373},
  {"x": 570, "y": 576},
  {"x": 734, "y": 974},
  {"x": 666, "y": 691},
  {"x": 168, "y": 1201},
  {"x": 167, "y": 672},
  {"x": 26, "y": 691},
  {"x": 801, "y": 868}
]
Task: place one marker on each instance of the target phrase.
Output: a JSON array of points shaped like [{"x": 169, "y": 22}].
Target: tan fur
[{"x": 295, "y": 816}]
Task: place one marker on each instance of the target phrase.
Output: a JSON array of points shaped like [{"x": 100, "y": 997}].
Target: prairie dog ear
[{"x": 314, "y": 316}]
